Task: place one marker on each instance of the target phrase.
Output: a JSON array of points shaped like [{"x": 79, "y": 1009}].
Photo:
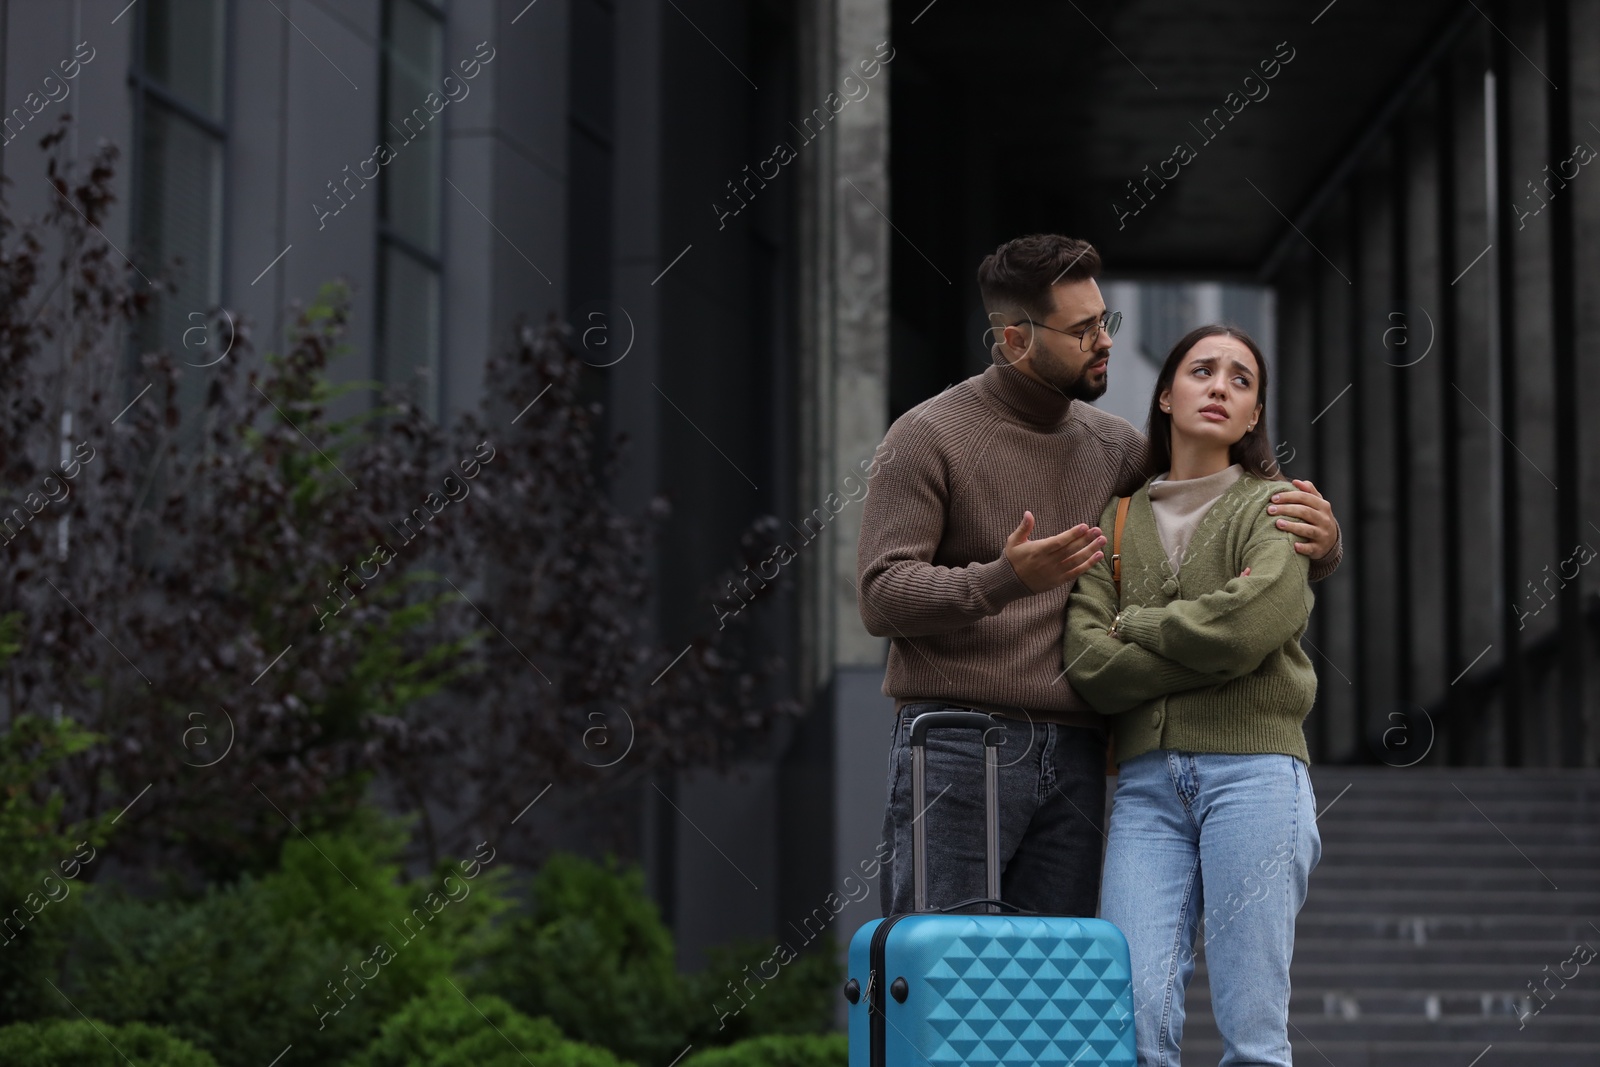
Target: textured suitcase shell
[{"x": 995, "y": 991}]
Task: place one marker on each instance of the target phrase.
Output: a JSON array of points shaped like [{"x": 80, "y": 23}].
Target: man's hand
[
  {"x": 1052, "y": 561},
  {"x": 1306, "y": 513}
]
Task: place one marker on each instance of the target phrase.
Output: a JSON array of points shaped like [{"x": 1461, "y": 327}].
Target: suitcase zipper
[{"x": 876, "y": 984}]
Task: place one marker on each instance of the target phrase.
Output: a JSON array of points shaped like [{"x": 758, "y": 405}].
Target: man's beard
[{"x": 1074, "y": 385}]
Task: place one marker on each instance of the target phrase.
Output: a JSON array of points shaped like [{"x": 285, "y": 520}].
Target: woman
[{"x": 1197, "y": 660}]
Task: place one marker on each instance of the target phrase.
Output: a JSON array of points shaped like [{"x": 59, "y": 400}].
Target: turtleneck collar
[
  {"x": 1030, "y": 402},
  {"x": 1205, "y": 487}
]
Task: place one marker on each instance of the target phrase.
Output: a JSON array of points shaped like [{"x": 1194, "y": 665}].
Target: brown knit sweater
[{"x": 931, "y": 569}]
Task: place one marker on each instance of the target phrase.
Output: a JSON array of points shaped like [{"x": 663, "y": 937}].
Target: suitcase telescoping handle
[{"x": 969, "y": 720}]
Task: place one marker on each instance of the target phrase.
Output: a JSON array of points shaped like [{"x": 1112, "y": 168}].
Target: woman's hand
[{"x": 1303, "y": 511}]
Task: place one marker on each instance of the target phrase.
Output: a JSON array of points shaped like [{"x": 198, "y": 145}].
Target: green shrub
[
  {"x": 729, "y": 1001},
  {"x": 593, "y": 955},
  {"x": 777, "y": 1050},
  {"x": 41, "y": 856},
  {"x": 442, "y": 1029},
  {"x": 289, "y": 958},
  {"x": 38, "y": 901},
  {"x": 78, "y": 1043}
]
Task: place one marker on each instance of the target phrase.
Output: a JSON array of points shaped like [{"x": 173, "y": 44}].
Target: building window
[
  {"x": 179, "y": 135},
  {"x": 409, "y": 202}
]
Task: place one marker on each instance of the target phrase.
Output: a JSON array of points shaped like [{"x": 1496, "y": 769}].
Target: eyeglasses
[{"x": 1110, "y": 322}]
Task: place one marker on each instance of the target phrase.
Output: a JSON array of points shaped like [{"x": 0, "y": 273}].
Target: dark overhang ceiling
[{"x": 1088, "y": 93}]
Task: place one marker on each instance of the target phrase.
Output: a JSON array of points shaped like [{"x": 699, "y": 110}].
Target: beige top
[{"x": 1179, "y": 506}]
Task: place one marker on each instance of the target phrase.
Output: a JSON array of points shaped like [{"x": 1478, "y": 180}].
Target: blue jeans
[
  {"x": 1230, "y": 838},
  {"x": 1052, "y": 808}
]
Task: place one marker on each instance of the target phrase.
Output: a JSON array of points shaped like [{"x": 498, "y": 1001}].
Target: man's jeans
[
  {"x": 1232, "y": 838},
  {"x": 1052, "y": 788}
]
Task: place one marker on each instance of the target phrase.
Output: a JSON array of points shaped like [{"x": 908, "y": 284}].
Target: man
[{"x": 970, "y": 543}]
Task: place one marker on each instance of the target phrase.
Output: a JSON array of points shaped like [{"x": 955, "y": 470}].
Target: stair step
[
  {"x": 1438, "y": 1052},
  {"x": 1423, "y": 927},
  {"x": 1421, "y": 901},
  {"x": 1569, "y": 1029},
  {"x": 1453, "y": 879},
  {"x": 1341, "y": 848},
  {"x": 1377, "y": 801},
  {"x": 1399, "y": 779},
  {"x": 1532, "y": 955},
  {"x": 1461, "y": 832},
  {"x": 1351, "y": 1004},
  {"x": 1431, "y": 976},
  {"x": 1454, "y": 806}
]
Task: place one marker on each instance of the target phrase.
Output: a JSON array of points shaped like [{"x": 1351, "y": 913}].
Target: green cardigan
[{"x": 1211, "y": 662}]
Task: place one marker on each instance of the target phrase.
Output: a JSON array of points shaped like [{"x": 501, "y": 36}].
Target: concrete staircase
[{"x": 1443, "y": 900}]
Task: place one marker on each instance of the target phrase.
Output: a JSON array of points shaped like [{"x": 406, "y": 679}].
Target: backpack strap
[
  {"x": 1116, "y": 580},
  {"x": 1116, "y": 542}
]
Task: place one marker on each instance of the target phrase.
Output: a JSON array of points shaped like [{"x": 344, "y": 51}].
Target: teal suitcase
[{"x": 1001, "y": 988}]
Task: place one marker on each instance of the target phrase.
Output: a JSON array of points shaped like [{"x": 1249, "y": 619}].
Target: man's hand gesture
[{"x": 1052, "y": 561}]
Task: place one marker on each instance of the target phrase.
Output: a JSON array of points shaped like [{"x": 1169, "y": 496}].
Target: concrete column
[
  {"x": 1333, "y": 433},
  {"x": 860, "y": 263},
  {"x": 1471, "y": 387},
  {"x": 1567, "y": 728},
  {"x": 1293, "y": 374},
  {"x": 835, "y": 773},
  {"x": 1288, "y": 417},
  {"x": 1419, "y": 360},
  {"x": 1529, "y": 408},
  {"x": 1585, "y": 87},
  {"x": 1377, "y": 451}
]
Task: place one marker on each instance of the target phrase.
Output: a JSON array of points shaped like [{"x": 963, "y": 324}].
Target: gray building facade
[{"x": 699, "y": 188}]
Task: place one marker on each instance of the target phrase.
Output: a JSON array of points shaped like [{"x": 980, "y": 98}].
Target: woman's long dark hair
[{"x": 1252, "y": 451}]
